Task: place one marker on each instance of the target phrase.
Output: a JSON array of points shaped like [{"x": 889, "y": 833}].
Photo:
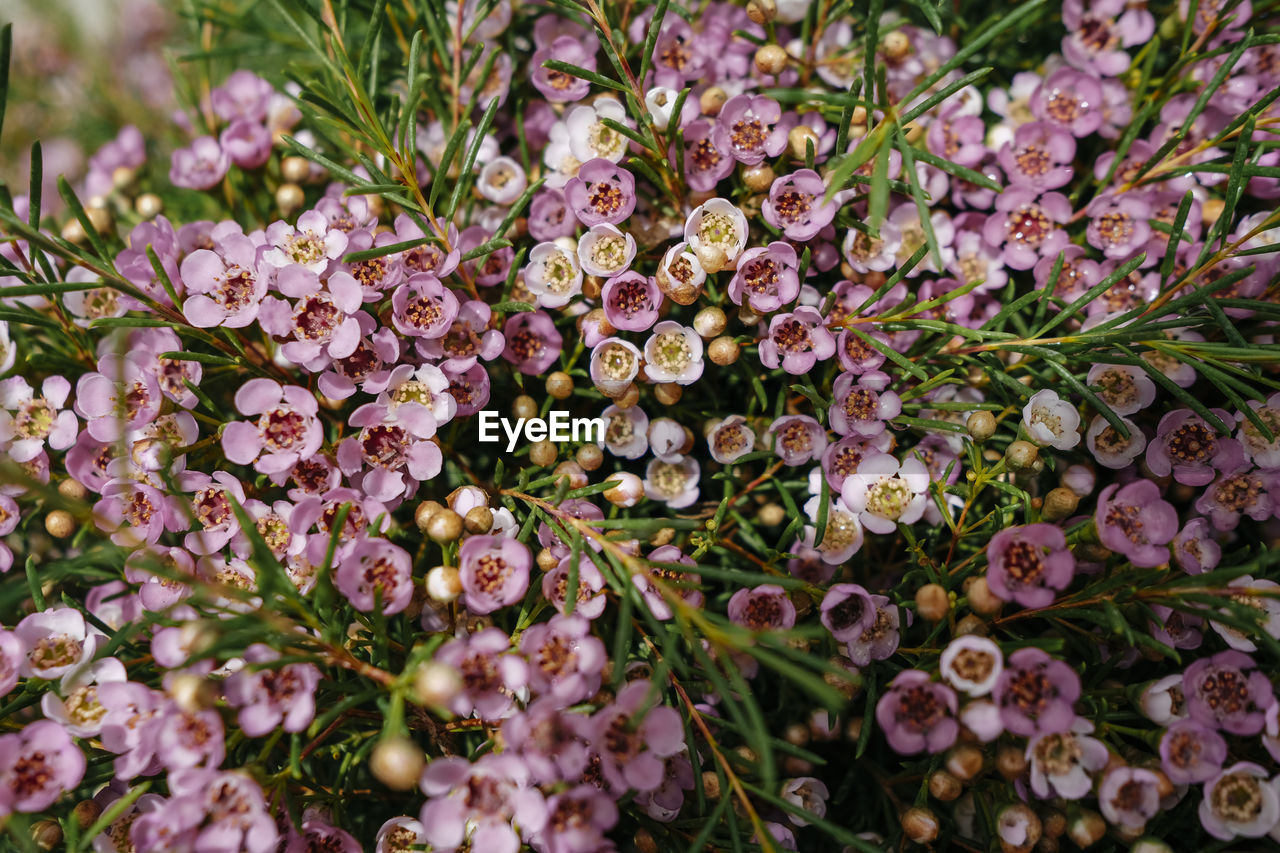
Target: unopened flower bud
[
  {"x": 1087, "y": 828},
  {"x": 965, "y": 762},
  {"x": 1021, "y": 455},
  {"x": 85, "y": 813},
  {"x": 668, "y": 393},
  {"x": 397, "y": 763},
  {"x": 46, "y": 834},
  {"x": 423, "y": 513},
  {"x": 712, "y": 258},
  {"x": 628, "y": 398},
  {"x": 1054, "y": 823},
  {"x": 711, "y": 100},
  {"x": 590, "y": 457},
  {"x": 981, "y": 425},
  {"x": 1150, "y": 845},
  {"x": 1019, "y": 828},
  {"x": 1011, "y": 761},
  {"x": 970, "y": 624},
  {"x": 771, "y": 59},
  {"x": 444, "y": 584},
  {"x": 895, "y": 45},
  {"x": 543, "y": 453},
  {"x": 60, "y": 524},
  {"x": 758, "y": 178},
  {"x": 478, "y": 519},
  {"x": 628, "y": 491},
  {"x": 445, "y": 526},
  {"x": 1059, "y": 503},
  {"x": 799, "y": 139},
  {"x": 547, "y": 560},
  {"x": 920, "y": 825},
  {"x": 435, "y": 684},
  {"x": 762, "y": 11},
  {"x": 711, "y": 785},
  {"x": 771, "y": 515},
  {"x": 560, "y": 385},
  {"x": 525, "y": 407},
  {"x": 1211, "y": 210},
  {"x": 73, "y": 232},
  {"x": 295, "y": 169},
  {"x": 72, "y": 489},
  {"x": 982, "y": 600},
  {"x": 148, "y": 206},
  {"x": 644, "y": 840},
  {"x": 723, "y": 350},
  {"x": 192, "y": 693},
  {"x": 932, "y": 602},
  {"x": 289, "y": 197},
  {"x": 709, "y": 322},
  {"x": 944, "y": 786}
]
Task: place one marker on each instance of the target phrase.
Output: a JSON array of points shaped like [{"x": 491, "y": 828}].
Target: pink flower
[
  {"x": 374, "y": 572},
  {"x": 37, "y": 765},
  {"x": 634, "y": 734},
  {"x": 494, "y": 572},
  {"x": 269, "y": 695},
  {"x": 287, "y": 429}
]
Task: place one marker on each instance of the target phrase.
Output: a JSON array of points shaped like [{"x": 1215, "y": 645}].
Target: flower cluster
[{"x": 938, "y": 440}]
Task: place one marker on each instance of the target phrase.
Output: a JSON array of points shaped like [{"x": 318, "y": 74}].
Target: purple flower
[
  {"x": 1110, "y": 448},
  {"x": 244, "y": 95},
  {"x": 729, "y": 439},
  {"x": 423, "y": 307},
  {"x": 189, "y": 739},
  {"x": 269, "y": 695},
  {"x": 1240, "y": 801},
  {"x": 1237, "y": 491},
  {"x": 1035, "y": 693},
  {"x": 1127, "y": 390},
  {"x": 468, "y": 340},
  {"x": 1099, "y": 30},
  {"x": 12, "y": 654},
  {"x": 1191, "y": 752},
  {"x": 764, "y": 608},
  {"x": 1118, "y": 225},
  {"x": 199, "y": 167},
  {"x": 1063, "y": 763},
  {"x": 602, "y": 192},
  {"x": 766, "y": 278},
  {"x": 532, "y": 342},
  {"x": 674, "y": 581},
  {"x": 1025, "y": 225},
  {"x": 374, "y": 572},
  {"x": 795, "y": 205},
  {"x": 848, "y": 611},
  {"x": 798, "y": 439},
  {"x": 1188, "y": 448},
  {"x": 565, "y": 659},
  {"x": 37, "y": 764},
  {"x": 1264, "y": 452},
  {"x": 797, "y": 341},
  {"x": 961, "y": 139},
  {"x": 631, "y": 301},
  {"x": 1070, "y": 100},
  {"x": 247, "y": 143},
  {"x": 705, "y": 164},
  {"x": 28, "y": 422},
  {"x": 494, "y": 572},
  {"x": 1129, "y": 797},
  {"x": 842, "y": 458},
  {"x": 286, "y": 431},
  {"x": 590, "y": 601},
  {"x": 634, "y": 735},
  {"x": 1029, "y": 564},
  {"x": 122, "y": 395},
  {"x": 918, "y": 714},
  {"x": 1228, "y": 691},
  {"x": 56, "y": 641},
  {"x": 322, "y": 324},
  {"x": 225, "y": 286},
  {"x": 577, "y": 820},
  {"x": 1194, "y": 549},
  {"x": 886, "y": 493},
  {"x": 490, "y": 674},
  {"x": 747, "y": 128},
  {"x": 489, "y": 803},
  {"x": 1134, "y": 521},
  {"x": 560, "y": 87},
  {"x": 550, "y": 741},
  {"x": 861, "y": 404},
  {"x": 1039, "y": 157},
  {"x": 879, "y": 641}
]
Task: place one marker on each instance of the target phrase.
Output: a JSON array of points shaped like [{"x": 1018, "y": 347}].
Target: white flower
[
  {"x": 553, "y": 275},
  {"x": 660, "y": 100},
  {"x": 718, "y": 224},
  {"x": 502, "y": 180},
  {"x": 972, "y": 664},
  {"x": 1240, "y": 801},
  {"x": 1052, "y": 421},
  {"x": 605, "y": 251},
  {"x": 590, "y": 137}
]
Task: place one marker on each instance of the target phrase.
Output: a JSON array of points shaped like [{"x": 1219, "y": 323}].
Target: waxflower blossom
[
  {"x": 201, "y": 166},
  {"x": 532, "y": 342},
  {"x": 764, "y": 608},
  {"x": 634, "y": 736},
  {"x": 614, "y": 363},
  {"x": 1110, "y": 447},
  {"x": 565, "y": 659},
  {"x": 705, "y": 163},
  {"x": 601, "y": 193},
  {"x": 29, "y": 421},
  {"x": 553, "y": 275},
  {"x": 55, "y": 641},
  {"x": 1035, "y": 693},
  {"x": 972, "y": 664},
  {"x": 730, "y": 439},
  {"x": 270, "y": 695},
  {"x": 1237, "y": 491},
  {"x": 765, "y": 278},
  {"x": 1134, "y": 521},
  {"x": 795, "y": 205},
  {"x": 605, "y": 251},
  {"x": 862, "y": 404},
  {"x": 847, "y": 611},
  {"x": 1118, "y": 226},
  {"x": 885, "y": 493},
  {"x": 747, "y": 128},
  {"x": 918, "y": 714},
  {"x": 798, "y": 439},
  {"x": 494, "y": 572},
  {"x": 1025, "y": 225},
  {"x": 37, "y": 764},
  {"x": 286, "y": 430},
  {"x": 312, "y": 243},
  {"x": 881, "y": 640},
  {"x": 376, "y": 574},
  {"x": 489, "y": 802},
  {"x": 797, "y": 341},
  {"x": 1029, "y": 565},
  {"x": 673, "y": 354},
  {"x": 589, "y": 600},
  {"x": 423, "y": 307},
  {"x": 716, "y": 224},
  {"x": 1051, "y": 421},
  {"x": 1129, "y": 797},
  {"x": 1191, "y": 752},
  {"x": 1240, "y": 802},
  {"x": 490, "y": 674},
  {"x": 1063, "y": 763},
  {"x": 558, "y": 86},
  {"x": 1227, "y": 691},
  {"x": 631, "y": 301}
]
